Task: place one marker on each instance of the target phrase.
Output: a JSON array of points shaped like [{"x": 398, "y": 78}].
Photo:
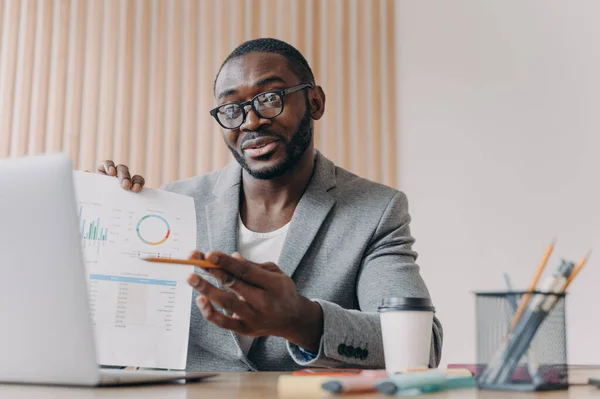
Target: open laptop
[{"x": 46, "y": 332}]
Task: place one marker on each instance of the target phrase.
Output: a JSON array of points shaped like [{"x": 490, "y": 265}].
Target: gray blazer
[{"x": 348, "y": 247}]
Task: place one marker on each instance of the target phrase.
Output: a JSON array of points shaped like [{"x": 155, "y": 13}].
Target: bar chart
[
  {"x": 94, "y": 232},
  {"x": 128, "y": 233},
  {"x": 91, "y": 230}
]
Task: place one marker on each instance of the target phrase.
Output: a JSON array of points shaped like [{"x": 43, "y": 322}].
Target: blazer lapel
[
  {"x": 222, "y": 228},
  {"x": 222, "y": 213},
  {"x": 311, "y": 211}
]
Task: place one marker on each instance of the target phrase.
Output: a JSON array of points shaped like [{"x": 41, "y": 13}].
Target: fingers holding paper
[
  {"x": 107, "y": 168},
  {"x": 121, "y": 172}
]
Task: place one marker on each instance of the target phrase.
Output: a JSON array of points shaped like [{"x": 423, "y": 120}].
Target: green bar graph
[{"x": 91, "y": 231}]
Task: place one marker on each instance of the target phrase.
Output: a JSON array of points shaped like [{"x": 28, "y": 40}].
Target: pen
[
  {"x": 192, "y": 262},
  {"x": 352, "y": 384},
  {"x": 532, "y": 365},
  {"x": 422, "y": 382}
]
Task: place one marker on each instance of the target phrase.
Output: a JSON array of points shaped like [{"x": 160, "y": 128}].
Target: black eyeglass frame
[{"x": 282, "y": 93}]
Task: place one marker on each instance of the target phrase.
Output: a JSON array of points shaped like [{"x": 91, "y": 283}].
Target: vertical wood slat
[
  {"x": 205, "y": 136},
  {"x": 123, "y": 113},
  {"x": 132, "y": 79},
  {"x": 375, "y": 100},
  {"x": 110, "y": 57},
  {"x": 329, "y": 127},
  {"x": 189, "y": 92},
  {"x": 293, "y": 23},
  {"x": 3, "y": 5},
  {"x": 25, "y": 60},
  {"x": 91, "y": 84},
  {"x": 346, "y": 107},
  {"x": 140, "y": 98},
  {"x": 58, "y": 77},
  {"x": 8, "y": 67},
  {"x": 255, "y": 24},
  {"x": 41, "y": 72},
  {"x": 268, "y": 8},
  {"x": 157, "y": 89},
  {"x": 324, "y": 75},
  {"x": 171, "y": 125},
  {"x": 353, "y": 88},
  {"x": 361, "y": 89},
  {"x": 390, "y": 82},
  {"x": 315, "y": 54},
  {"x": 220, "y": 52},
  {"x": 237, "y": 10},
  {"x": 283, "y": 18},
  {"x": 76, "y": 55},
  {"x": 301, "y": 28}
]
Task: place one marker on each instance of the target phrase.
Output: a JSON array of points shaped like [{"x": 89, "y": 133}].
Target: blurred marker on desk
[
  {"x": 429, "y": 381},
  {"x": 358, "y": 384},
  {"x": 368, "y": 380}
]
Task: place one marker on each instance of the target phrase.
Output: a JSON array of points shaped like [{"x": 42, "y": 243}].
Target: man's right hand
[{"x": 121, "y": 172}]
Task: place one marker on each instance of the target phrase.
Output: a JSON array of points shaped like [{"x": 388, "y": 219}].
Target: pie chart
[{"x": 153, "y": 229}]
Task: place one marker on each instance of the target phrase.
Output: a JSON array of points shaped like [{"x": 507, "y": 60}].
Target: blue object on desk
[{"x": 410, "y": 384}]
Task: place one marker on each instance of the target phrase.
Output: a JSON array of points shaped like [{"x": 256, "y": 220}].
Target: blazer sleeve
[{"x": 352, "y": 338}]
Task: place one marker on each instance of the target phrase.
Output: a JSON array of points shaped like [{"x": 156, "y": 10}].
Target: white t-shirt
[{"x": 259, "y": 248}]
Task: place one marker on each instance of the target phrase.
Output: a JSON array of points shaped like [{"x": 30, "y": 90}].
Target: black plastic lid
[{"x": 396, "y": 303}]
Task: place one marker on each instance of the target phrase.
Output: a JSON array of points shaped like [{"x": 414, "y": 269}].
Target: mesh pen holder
[{"x": 530, "y": 357}]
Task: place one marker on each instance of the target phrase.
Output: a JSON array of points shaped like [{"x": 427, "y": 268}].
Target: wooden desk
[{"x": 251, "y": 386}]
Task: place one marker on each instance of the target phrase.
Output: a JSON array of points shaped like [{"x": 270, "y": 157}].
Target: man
[{"x": 307, "y": 250}]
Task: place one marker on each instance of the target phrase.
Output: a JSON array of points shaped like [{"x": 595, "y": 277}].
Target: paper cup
[{"x": 406, "y": 325}]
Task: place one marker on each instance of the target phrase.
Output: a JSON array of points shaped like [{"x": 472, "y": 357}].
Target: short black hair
[{"x": 295, "y": 59}]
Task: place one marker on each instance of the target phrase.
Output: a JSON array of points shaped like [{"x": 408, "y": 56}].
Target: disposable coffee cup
[{"x": 406, "y": 325}]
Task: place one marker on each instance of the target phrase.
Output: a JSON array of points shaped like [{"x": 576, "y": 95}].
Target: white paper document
[{"x": 140, "y": 310}]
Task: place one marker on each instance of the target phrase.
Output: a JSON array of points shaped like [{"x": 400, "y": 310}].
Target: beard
[{"x": 294, "y": 150}]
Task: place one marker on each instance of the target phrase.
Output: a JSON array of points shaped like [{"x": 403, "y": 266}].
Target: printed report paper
[{"x": 140, "y": 310}]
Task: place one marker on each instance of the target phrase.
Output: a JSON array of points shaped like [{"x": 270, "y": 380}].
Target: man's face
[{"x": 265, "y": 148}]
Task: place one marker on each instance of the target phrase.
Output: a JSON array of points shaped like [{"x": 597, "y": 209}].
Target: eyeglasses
[{"x": 267, "y": 105}]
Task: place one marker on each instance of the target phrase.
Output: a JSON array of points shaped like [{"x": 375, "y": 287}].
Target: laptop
[{"x": 46, "y": 333}]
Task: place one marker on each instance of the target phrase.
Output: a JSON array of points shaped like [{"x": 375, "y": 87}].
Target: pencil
[
  {"x": 576, "y": 269},
  {"x": 532, "y": 285},
  {"x": 192, "y": 262}
]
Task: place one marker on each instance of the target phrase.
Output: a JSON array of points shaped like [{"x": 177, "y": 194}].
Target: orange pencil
[
  {"x": 532, "y": 285},
  {"x": 192, "y": 262},
  {"x": 576, "y": 269}
]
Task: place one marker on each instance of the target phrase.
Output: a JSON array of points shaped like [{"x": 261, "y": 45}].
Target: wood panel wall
[{"x": 131, "y": 80}]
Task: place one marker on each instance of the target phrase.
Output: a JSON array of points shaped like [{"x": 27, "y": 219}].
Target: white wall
[{"x": 499, "y": 152}]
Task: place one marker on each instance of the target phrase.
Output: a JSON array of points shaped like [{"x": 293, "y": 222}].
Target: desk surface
[{"x": 261, "y": 385}]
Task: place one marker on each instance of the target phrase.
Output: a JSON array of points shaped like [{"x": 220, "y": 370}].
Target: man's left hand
[{"x": 263, "y": 301}]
